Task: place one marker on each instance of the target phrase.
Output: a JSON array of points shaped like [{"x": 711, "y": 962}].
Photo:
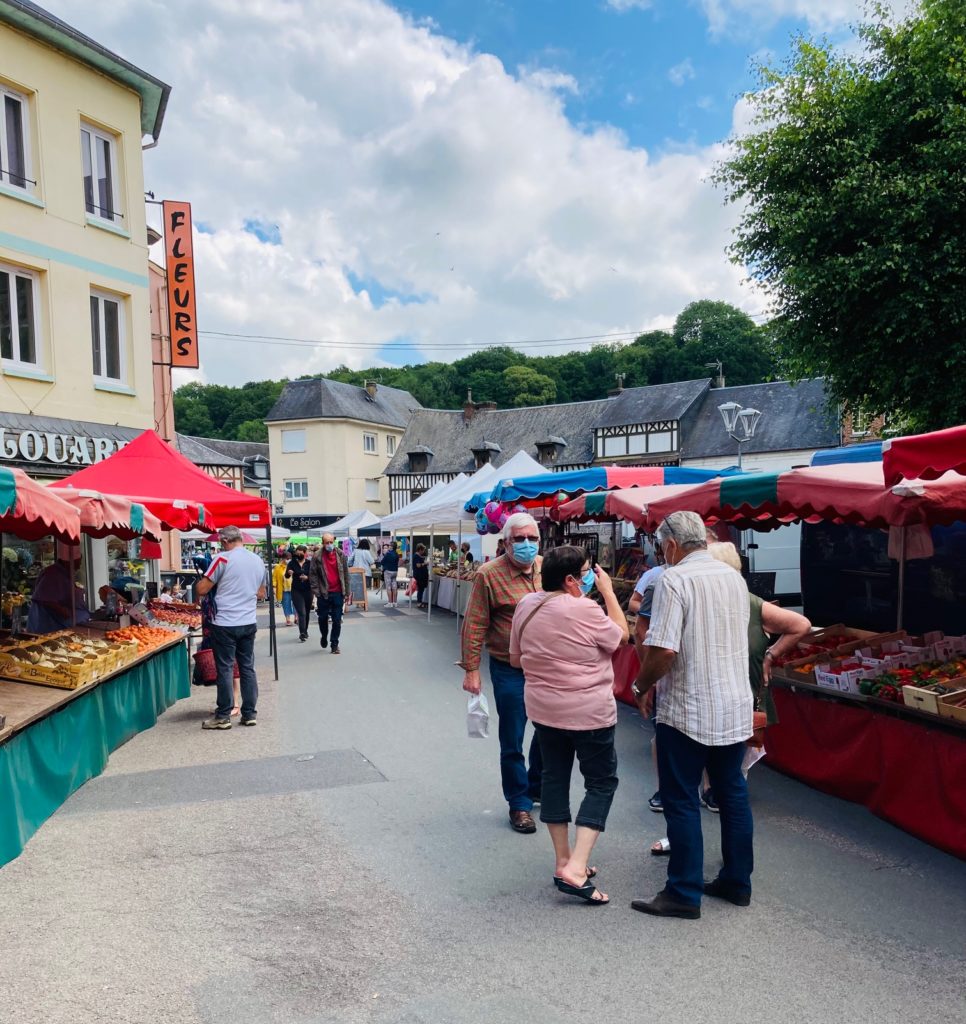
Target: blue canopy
[{"x": 871, "y": 451}]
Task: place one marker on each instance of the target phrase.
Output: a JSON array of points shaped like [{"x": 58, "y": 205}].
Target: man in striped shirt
[
  {"x": 498, "y": 588},
  {"x": 697, "y": 646}
]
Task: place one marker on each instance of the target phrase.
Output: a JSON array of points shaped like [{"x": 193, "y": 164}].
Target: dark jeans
[
  {"x": 597, "y": 758},
  {"x": 231, "y": 644},
  {"x": 680, "y": 761},
  {"x": 331, "y": 608},
  {"x": 520, "y": 786},
  {"x": 302, "y": 603},
  {"x": 422, "y": 582}
]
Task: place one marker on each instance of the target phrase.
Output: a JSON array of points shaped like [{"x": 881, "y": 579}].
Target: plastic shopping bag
[{"x": 477, "y": 716}]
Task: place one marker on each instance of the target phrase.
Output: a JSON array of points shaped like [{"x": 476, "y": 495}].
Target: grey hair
[
  {"x": 518, "y": 519},
  {"x": 229, "y": 534},
  {"x": 686, "y": 529}
]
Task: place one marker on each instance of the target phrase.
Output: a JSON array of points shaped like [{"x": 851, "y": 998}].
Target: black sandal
[{"x": 582, "y": 892}]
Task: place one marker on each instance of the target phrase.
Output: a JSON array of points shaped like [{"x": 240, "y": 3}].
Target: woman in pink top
[{"x": 564, "y": 642}]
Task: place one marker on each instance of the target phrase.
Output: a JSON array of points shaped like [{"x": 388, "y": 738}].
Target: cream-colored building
[
  {"x": 75, "y": 335},
  {"x": 329, "y": 444}
]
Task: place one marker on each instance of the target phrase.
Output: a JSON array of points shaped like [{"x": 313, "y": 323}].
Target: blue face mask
[
  {"x": 587, "y": 581},
  {"x": 524, "y": 551}
]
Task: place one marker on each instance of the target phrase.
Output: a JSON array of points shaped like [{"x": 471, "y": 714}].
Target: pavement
[{"x": 349, "y": 860}]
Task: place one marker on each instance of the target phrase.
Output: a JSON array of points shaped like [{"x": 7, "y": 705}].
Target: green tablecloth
[{"x": 42, "y": 765}]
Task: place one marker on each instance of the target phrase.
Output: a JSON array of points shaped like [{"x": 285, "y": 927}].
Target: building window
[
  {"x": 390, "y": 444},
  {"x": 293, "y": 441},
  {"x": 107, "y": 337},
  {"x": 18, "y": 317},
  {"x": 296, "y": 490},
  {"x": 372, "y": 490},
  {"x": 661, "y": 441},
  {"x": 99, "y": 159},
  {"x": 614, "y": 446},
  {"x": 14, "y": 151},
  {"x": 370, "y": 444}
]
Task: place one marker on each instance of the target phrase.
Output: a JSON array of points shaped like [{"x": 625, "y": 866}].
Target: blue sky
[{"x": 660, "y": 73}]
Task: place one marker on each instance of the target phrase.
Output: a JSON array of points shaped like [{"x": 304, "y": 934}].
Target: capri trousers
[{"x": 597, "y": 759}]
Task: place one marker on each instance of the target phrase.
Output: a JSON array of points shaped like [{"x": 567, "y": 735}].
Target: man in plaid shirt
[{"x": 498, "y": 588}]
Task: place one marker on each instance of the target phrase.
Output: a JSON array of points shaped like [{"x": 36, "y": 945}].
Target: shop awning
[
  {"x": 352, "y": 523},
  {"x": 108, "y": 515},
  {"x": 924, "y": 456},
  {"x": 542, "y": 487},
  {"x": 30, "y": 511},
  {"x": 629, "y": 503},
  {"x": 853, "y": 494},
  {"x": 180, "y": 494}
]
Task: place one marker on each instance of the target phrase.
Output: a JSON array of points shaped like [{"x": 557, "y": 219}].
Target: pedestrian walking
[
  {"x": 697, "y": 646},
  {"x": 362, "y": 559},
  {"x": 420, "y": 573},
  {"x": 497, "y": 589},
  {"x": 235, "y": 581},
  {"x": 298, "y": 573},
  {"x": 282, "y": 587},
  {"x": 329, "y": 575},
  {"x": 563, "y": 641},
  {"x": 390, "y": 571}
]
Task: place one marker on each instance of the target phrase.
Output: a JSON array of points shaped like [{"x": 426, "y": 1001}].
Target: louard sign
[
  {"x": 59, "y": 449},
  {"x": 180, "y": 266}
]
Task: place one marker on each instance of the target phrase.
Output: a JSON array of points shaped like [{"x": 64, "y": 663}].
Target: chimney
[
  {"x": 371, "y": 388},
  {"x": 614, "y": 392},
  {"x": 469, "y": 409}
]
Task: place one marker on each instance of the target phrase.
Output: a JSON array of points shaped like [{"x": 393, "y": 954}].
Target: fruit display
[
  {"x": 940, "y": 678},
  {"x": 176, "y": 613},
  {"x": 66, "y": 659},
  {"x": 819, "y": 642},
  {"x": 444, "y": 573},
  {"x": 147, "y": 638}
]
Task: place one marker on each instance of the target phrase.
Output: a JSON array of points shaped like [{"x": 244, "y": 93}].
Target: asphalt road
[{"x": 349, "y": 860}]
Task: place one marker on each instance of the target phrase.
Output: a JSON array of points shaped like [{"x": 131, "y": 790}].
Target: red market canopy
[
  {"x": 30, "y": 511},
  {"x": 108, "y": 515},
  {"x": 924, "y": 456},
  {"x": 628, "y": 503},
  {"x": 181, "y": 495},
  {"x": 855, "y": 494}
]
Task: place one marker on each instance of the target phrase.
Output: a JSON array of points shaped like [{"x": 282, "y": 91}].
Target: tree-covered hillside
[{"x": 703, "y": 333}]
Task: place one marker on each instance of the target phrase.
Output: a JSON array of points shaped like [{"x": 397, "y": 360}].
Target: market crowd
[{"x": 705, "y": 646}]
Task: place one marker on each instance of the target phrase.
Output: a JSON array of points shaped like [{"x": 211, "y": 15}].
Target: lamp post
[{"x": 740, "y": 423}]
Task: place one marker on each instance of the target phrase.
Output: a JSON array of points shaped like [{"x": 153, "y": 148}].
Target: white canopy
[
  {"x": 409, "y": 515},
  {"x": 448, "y": 506},
  {"x": 353, "y": 522},
  {"x": 255, "y": 534}
]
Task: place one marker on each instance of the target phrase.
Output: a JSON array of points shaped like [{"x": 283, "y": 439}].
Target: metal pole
[
  {"x": 902, "y": 578},
  {"x": 272, "y": 638},
  {"x": 459, "y": 570},
  {"x": 429, "y": 607},
  {"x": 412, "y": 574}
]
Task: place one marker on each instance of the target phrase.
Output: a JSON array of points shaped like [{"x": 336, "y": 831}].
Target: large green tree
[{"x": 854, "y": 220}]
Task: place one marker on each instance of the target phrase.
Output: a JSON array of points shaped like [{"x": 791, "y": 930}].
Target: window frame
[
  {"x": 29, "y": 187},
  {"x": 17, "y": 364},
  {"x": 293, "y": 430},
  {"x": 289, "y": 486},
  {"x": 368, "y": 436},
  {"x": 373, "y": 480},
  {"x": 113, "y": 141},
  {"x": 390, "y": 445},
  {"x": 103, "y": 297}
]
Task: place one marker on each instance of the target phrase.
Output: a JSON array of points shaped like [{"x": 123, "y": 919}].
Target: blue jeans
[
  {"x": 520, "y": 786},
  {"x": 595, "y": 753},
  {"x": 680, "y": 761},
  {"x": 231, "y": 644},
  {"x": 287, "y": 604},
  {"x": 331, "y": 608}
]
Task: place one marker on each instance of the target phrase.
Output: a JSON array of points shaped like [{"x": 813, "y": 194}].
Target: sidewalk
[{"x": 349, "y": 860}]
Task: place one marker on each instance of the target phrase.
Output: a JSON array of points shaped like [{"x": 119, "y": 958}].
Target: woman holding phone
[{"x": 563, "y": 641}]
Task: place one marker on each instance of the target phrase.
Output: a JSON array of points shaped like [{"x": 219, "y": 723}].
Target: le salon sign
[{"x": 59, "y": 449}]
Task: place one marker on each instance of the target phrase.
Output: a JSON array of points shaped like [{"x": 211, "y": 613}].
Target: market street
[{"x": 350, "y": 860}]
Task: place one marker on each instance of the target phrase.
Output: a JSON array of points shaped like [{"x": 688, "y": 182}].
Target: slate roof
[
  {"x": 453, "y": 441},
  {"x": 240, "y": 450},
  {"x": 331, "y": 399},
  {"x": 202, "y": 454},
  {"x": 794, "y": 417},
  {"x": 654, "y": 403}
]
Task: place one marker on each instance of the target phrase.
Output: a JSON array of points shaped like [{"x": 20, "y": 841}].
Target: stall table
[{"x": 56, "y": 740}]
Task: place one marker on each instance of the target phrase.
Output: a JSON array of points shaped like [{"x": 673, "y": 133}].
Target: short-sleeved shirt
[
  {"x": 390, "y": 561},
  {"x": 565, "y": 651},
  {"x": 239, "y": 575},
  {"x": 645, "y": 589},
  {"x": 701, "y": 613}
]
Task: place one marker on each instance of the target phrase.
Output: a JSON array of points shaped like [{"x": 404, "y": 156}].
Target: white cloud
[
  {"x": 735, "y": 16},
  {"x": 629, "y": 5},
  {"x": 427, "y": 170},
  {"x": 546, "y": 78},
  {"x": 682, "y": 72}
]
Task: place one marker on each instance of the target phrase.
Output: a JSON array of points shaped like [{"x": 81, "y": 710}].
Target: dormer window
[
  {"x": 419, "y": 458},
  {"x": 484, "y": 451},
  {"x": 550, "y": 450}
]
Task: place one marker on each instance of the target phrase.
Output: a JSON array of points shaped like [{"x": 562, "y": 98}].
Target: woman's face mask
[{"x": 587, "y": 581}]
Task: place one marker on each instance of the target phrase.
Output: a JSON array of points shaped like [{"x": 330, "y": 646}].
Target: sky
[{"x": 391, "y": 183}]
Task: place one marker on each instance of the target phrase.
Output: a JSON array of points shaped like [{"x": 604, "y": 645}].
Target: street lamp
[{"x": 740, "y": 423}]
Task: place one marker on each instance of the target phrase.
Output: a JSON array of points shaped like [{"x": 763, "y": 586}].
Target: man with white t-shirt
[{"x": 237, "y": 578}]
